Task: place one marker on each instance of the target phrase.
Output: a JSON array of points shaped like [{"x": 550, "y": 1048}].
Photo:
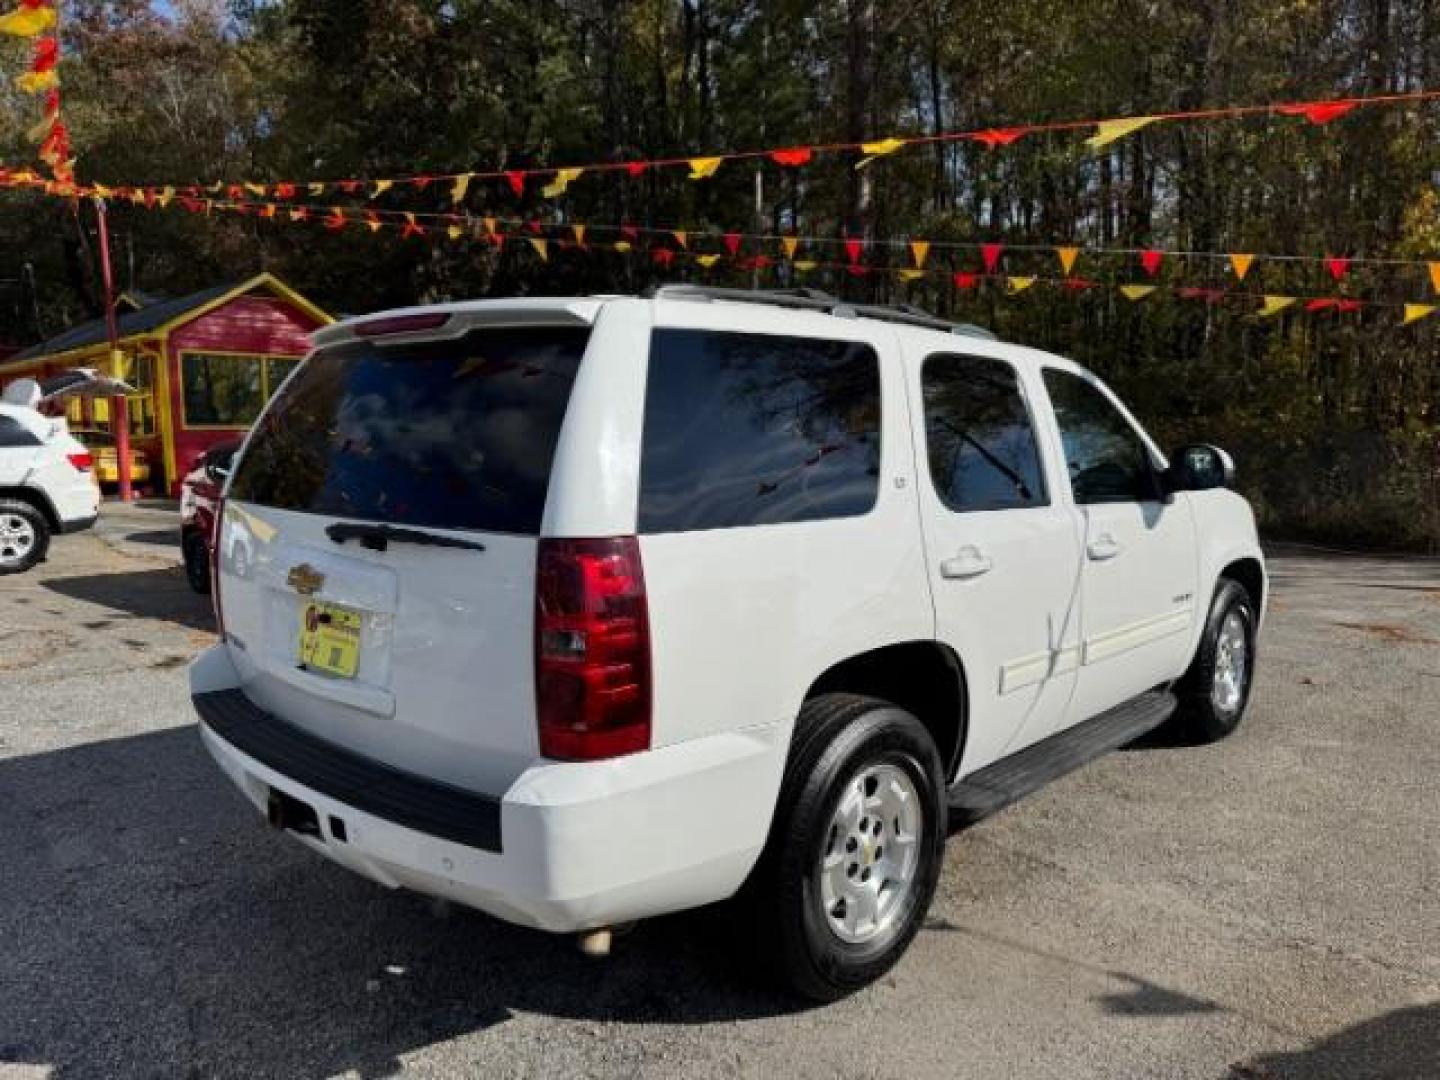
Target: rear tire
[
  {"x": 197, "y": 562},
  {"x": 855, "y": 848},
  {"x": 24, "y": 536},
  {"x": 1215, "y": 691}
]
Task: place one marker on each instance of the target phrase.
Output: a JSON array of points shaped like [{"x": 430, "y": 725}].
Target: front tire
[
  {"x": 24, "y": 536},
  {"x": 1216, "y": 690},
  {"x": 855, "y": 848}
]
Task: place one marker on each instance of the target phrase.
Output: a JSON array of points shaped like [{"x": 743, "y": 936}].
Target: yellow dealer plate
[{"x": 330, "y": 639}]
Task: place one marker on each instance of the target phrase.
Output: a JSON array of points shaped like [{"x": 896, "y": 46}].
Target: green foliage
[{"x": 1333, "y": 418}]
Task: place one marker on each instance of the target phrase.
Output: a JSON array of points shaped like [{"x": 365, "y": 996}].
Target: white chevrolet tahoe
[
  {"x": 47, "y": 477},
  {"x": 584, "y": 610}
]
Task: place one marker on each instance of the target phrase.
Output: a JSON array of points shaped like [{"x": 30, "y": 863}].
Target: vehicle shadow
[
  {"x": 148, "y": 594},
  {"x": 154, "y": 926},
  {"x": 158, "y": 537},
  {"x": 1400, "y": 1045}
]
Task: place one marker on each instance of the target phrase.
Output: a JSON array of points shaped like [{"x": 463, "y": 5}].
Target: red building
[{"x": 202, "y": 367}]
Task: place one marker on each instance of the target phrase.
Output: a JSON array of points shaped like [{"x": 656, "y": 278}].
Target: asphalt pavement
[{"x": 1268, "y": 907}]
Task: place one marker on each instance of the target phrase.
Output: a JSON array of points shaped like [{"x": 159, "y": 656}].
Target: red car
[{"x": 199, "y": 504}]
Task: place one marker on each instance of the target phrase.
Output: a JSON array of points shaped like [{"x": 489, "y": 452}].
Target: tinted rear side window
[
  {"x": 454, "y": 434},
  {"x": 757, "y": 429}
]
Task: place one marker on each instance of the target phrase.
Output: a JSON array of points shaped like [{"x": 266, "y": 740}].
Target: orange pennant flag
[
  {"x": 1067, "y": 256},
  {"x": 1241, "y": 265},
  {"x": 791, "y": 244},
  {"x": 1435, "y": 276},
  {"x": 28, "y": 20},
  {"x": 681, "y": 237},
  {"x": 489, "y": 224},
  {"x": 542, "y": 248},
  {"x": 919, "y": 249},
  {"x": 578, "y": 231}
]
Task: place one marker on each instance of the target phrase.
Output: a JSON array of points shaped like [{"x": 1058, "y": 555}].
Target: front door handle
[
  {"x": 1104, "y": 547},
  {"x": 969, "y": 562}
]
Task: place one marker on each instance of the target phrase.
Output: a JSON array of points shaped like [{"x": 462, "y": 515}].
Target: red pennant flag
[
  {"x": 990, "y": 254},
  {"x": 965, "y": 280},
  {"x": 853, "y": 246},
  {"x": 1195, "y": 292},
  {"x": 732, "y": 242},
  {"x": 1150, "y": 259},
  {"x": 1077, "y": 284},
  {"x": 636, "y": 168},
  {"x": 857, "y": 270},
  {"x": 422, "y": 182},
  {"x": 1318, "y": 112},
  {"x": 516, "y": 178},
  {"x": 760, "y": 262},
  {"x": 1349, "y": 305},
  {"x": 663, "y": 256},
  {"x": 796, "y": 155},
  {"x": 350, "y": 187},
  {"x": 284, "y": 191},
  {"x": 629, "y": 232},
  {"x": 498, "y": 239},
  {"x": 993, "y": 137},
  {"x": 1337, "y": 265},
  {"x": 47, "y": 55},
  {"x": 1322, "y": 303},
  {"x": 336, "y": 221},
  {"x": 193, "y": 205},
  {"x": 534, "y": 226},
  {"x": 372, "y": 219},
  {"x": 235, "y": 192},
  {"x": 412, "y": 227}
]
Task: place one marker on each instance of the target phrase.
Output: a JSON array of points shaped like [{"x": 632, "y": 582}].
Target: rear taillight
[
  {"x": 217, "y": 532},
  {"x": 592, "y": 649},
  {"x": 81, "y": 462}
]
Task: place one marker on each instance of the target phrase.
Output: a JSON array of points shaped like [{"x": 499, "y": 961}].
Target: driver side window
[{"x": 1104, "y": 455}]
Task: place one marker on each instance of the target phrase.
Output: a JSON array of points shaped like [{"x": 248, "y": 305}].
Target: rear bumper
[
  {"x": 569, "y": 846},
  {"x": 79, "y": 524}
]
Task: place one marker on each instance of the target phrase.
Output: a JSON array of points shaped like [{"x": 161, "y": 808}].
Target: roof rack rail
[{"x": 816, "y": 300}]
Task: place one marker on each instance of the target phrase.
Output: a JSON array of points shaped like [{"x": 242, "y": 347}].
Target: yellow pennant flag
[
  {"x": 578, "y": 231},
  {"x": 542, "y": 248},
  {"x": 919, "y": 250},
  {"x": 707, "y": 261},
  {"x": 804, "y": 265},
  {"x": 1435, "y": 276},
  {"x": 460, "y": 188},
  {"x": 681, "y": 237},
  {"x": 166, "y": 196},
  {"x": 1136, "y": 292},
  {"x": 455, "y": 232},
  {"x": 878, "y": 149},
  {"x": 702, "y": 168},
  {"x": 137, "y": 197},
  {"x": 557, "y": 186},
  {"x": 317, "y": 189},
  {"x": 374, "y": 224},
  {"x": 1241, "y": 265},
  {"x": 28, "y": 21},
  {"x": 256, "y": 189},
  {"x": 909, "y": 275},
  {"x": 791, "y": 244},
  {"x": 37, "y": 82},
  {"x": 1067, "y": 256},
  {"x": 622, "y": 246},
  {"x": 1018, "y": 284},
  {"x": 489, "y": 224},
  {"x": 1416, "y": 312},
  {"x": 1273, "y": 305},
  {"x": 1107, "y": 131},
  {"x": 101, "y": 191},
  {"x": 381, "y": 186}
]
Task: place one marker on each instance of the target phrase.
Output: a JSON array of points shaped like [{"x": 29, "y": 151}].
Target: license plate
[{"x": 330, "y": 639}]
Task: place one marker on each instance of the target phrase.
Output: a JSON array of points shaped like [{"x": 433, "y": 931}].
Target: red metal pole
[{"x": 119, "y": 409}]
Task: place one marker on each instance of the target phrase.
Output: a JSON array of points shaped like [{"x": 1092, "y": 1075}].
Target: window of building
[{"x": 229, "y": 390}]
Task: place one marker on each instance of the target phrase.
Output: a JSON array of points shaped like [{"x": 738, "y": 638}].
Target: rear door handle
[
  {"x": 1104, "y": 547},
  {"x": 969, "y": 562}
]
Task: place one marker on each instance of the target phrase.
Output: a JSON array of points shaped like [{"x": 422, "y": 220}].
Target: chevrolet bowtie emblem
[{"x": 305, "y": 579}]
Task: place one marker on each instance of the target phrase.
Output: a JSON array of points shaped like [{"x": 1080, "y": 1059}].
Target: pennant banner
[
  {"x": 1107, "y": 131},
  {"x": 32, "y": 17}
]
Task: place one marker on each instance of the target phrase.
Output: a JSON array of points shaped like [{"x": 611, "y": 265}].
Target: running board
[{"x": 1011, "y": 778}]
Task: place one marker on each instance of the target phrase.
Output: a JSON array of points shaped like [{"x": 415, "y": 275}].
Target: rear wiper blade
[{"x": 380, "y": 537}]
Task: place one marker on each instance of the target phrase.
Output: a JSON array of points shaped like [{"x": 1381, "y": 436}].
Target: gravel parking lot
[{"x": 1266, "y": 907}]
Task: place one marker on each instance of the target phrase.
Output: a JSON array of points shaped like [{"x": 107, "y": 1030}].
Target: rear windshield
[{"x": 455, "y": 434}]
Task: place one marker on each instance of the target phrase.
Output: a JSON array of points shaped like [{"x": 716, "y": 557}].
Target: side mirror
[
  {"x": 1199, "y": 467},
  {"x": 217, "y": 473}
]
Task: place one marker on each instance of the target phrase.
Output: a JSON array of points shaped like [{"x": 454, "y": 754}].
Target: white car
[
  {"x": 584, "y": 610},
  {"x": 47, "y": 476}
]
